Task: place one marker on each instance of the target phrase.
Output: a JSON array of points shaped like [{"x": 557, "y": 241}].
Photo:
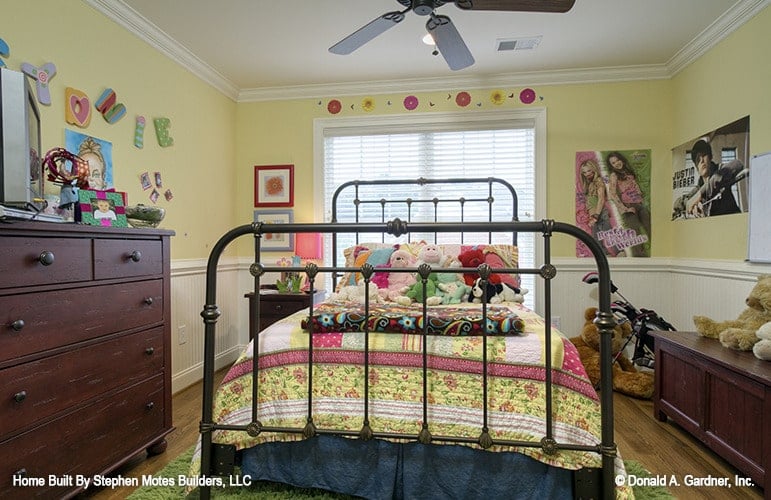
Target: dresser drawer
[
  {"x": 83, "y": 441},
  {"x": 40, "y": 389},
  {"x": 35, "y": 322},
  {"x": 125, "y": 258},
  {"x": 40, "y": 261}
]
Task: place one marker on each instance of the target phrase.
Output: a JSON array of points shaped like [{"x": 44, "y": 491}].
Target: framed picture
[
  {"x": 102, "y": 208},
  {"x": 274, "y": 241},
  {"x": 274, "y": 186}
]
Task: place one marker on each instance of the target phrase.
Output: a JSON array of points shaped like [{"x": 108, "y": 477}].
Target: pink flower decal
[
  {"x": 527, "y": 96},
  {"x": 463, "y": 99},
  {"x": 334, "y": 106},
  {"x": 410, "y": 102}
]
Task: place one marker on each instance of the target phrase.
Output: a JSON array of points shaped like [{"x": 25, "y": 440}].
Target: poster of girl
[{"x": 613, "y": 201}]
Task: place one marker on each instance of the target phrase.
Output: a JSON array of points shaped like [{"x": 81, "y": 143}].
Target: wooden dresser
[
  {"x": 85, "y": 354},
  {"x": 721, "y": 396}
]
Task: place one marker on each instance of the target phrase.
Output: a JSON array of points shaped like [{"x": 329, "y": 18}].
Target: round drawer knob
[
  {"x": 278, "y": 307},
  {"x": 149, "y": 350},
  {"x": 149, "y": 301},
  {"x": 46, "y": 258},
  {"x": 135, "y": 256},
  {"x": 17, "y": 325},
  {"x": 149, "y": 406},
  {"x": 20, "y": 396}
]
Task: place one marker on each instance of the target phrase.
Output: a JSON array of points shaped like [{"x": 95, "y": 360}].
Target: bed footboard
[{"x": 218, "y": 459}]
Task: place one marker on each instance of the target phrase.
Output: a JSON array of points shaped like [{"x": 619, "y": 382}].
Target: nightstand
[{"x": 274, "y": 306}]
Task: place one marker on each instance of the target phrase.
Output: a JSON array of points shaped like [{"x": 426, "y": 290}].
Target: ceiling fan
[{"x": 446, "y": 37}]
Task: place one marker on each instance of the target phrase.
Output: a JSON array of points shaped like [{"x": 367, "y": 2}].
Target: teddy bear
[
  {"x": 762, "y": 348},
  {"x": 740, "y": 334},
  {"x": 397, "y": 283},
  {"x": 472, "y": 257},
  {"x": 626, "y": 378},
  {"x": 355, "y": 293},
  {"x": 452, "y": 287},
  {"x": 415, "y": 293}
]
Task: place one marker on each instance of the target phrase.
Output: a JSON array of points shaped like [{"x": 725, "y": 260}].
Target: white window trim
[{"x": 436, "y": 121}]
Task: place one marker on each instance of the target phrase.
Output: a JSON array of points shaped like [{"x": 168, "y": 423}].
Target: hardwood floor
[{"x": 662, "y": 448}]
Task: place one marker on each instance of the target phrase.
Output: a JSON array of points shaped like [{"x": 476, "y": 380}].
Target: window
[{"x": 451, "y": 145}]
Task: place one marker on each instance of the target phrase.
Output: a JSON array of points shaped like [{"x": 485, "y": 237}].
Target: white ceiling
[{"x": 252, "y": 49}]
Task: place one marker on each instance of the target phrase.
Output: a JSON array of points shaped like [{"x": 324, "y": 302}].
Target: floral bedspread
[
  {"x": 516, "y": 387},
  {"x": 452, "y": 320}
]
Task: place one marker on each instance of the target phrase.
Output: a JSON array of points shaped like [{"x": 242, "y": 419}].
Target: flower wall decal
[
  {"x": 527, "y": 96},
  {"x": 463, "y": 99},
  {"x": 368, "y": 104},
  {"x": 334, "y": 106},
  {"x": 497, "y": 97},
  {"x": 410, "y": 102}
]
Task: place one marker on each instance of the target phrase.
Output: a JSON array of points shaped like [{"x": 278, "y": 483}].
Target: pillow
[{"x": 497, "y": 256}]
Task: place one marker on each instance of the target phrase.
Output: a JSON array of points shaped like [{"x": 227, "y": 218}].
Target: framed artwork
[
  {"x": 274, "y": 241},
  {"x": 97, "y": 153},
  {"x": 102, "y": 208},
  {"x": 274, "y": 186}
]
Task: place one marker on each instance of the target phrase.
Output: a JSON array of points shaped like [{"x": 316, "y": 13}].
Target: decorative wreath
[{"x": 78, "y": 176}]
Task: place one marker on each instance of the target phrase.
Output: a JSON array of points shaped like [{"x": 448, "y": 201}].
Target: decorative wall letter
[
  {"x": 43, "y": 75},
  {"x": 139, "y": 132},
  {"x": 106, "y": 104},
  {"x": 77, "y": 107},
  {"x": 162, "y": 126},
  {"x": 4, "y": 51}
]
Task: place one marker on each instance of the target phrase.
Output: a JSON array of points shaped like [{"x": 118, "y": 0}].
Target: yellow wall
[
  {"x": 218, "y": 142},
  {"x": 579, "y": 117},
  {"x": 728, "y": 82},
  {"x": 92, "y": 53}
]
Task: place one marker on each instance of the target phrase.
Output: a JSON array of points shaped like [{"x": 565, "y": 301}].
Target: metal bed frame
[{"x": 218, "y": 459}]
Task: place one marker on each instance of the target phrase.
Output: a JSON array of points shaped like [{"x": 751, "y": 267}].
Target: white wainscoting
[{"x": 677, "y": 289}]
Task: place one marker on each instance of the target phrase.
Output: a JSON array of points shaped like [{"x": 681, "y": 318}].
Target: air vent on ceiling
[{"x": 503, "y": 44}]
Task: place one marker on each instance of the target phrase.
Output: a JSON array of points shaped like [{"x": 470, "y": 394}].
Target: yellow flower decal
[
  {"x": 368, "y": 104},
  {"x": 497, "y": 97}
]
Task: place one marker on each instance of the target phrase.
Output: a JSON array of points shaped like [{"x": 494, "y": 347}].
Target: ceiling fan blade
[
  {"x": 517, "y": 5},
  {"x": 367, "y": 32},
  {"x": 449, "y": 42}
]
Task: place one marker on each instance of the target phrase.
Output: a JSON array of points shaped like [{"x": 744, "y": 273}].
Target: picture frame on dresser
[{"x": 102, "y": 208}]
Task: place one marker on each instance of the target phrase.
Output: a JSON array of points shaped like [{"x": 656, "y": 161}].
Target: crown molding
[
  {"x": 561, "y": 77},
  {"x": 726, "y": 24},
  {"x": 128, "y": 18}
]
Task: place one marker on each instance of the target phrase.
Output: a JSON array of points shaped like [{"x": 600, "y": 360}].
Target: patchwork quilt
[{"x": 516, "y": 384}]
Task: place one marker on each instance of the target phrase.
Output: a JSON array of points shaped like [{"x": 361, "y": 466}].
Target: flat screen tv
[{"x": 21, "y": 172}]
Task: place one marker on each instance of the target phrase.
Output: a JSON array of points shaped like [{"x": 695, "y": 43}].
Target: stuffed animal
[
  {"x": 626, "y": 379},
  {"x": 415, "y": 293},
  {"x": 355, "y": 293},
  {"x": 398, "y": 283},
  {"x": 762, "y": 349},
  {"x": 740, "y": 334},
  {"x": 496, "y": 293},
  {"x": 454, "y": 291},
  {"x": 471, "y": 258}
]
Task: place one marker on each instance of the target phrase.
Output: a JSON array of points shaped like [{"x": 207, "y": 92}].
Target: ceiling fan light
[{"x": 428, "y": 39}]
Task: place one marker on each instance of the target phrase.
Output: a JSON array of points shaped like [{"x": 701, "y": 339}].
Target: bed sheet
[{"x": 516, "y": 387}]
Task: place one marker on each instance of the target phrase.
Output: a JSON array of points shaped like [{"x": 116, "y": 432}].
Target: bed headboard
[{"x": 482, "y": 199}]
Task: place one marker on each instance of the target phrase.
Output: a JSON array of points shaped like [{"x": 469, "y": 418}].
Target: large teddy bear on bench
[
  {"x": 626, "y": 379},
  {"x": 741, "y": 333}
]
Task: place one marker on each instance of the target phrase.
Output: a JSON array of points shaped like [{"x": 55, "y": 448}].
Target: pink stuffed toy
[{"x": 398, "y": 283}]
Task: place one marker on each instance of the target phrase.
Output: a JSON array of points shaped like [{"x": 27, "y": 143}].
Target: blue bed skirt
[{"x": 384, "y": 471}]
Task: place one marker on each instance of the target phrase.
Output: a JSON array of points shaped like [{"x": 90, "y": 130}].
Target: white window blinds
[{"x": 435, "y": 151}]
